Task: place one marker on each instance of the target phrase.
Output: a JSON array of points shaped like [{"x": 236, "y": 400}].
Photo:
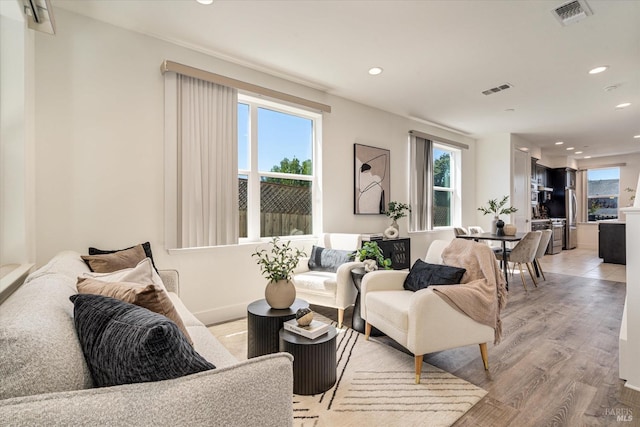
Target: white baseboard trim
[
  {"x": 222, "y": 314},
  {"x": 632, "y": 387}
]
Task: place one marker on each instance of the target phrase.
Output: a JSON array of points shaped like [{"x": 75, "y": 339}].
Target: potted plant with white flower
[{"x": 395, "y": 211}]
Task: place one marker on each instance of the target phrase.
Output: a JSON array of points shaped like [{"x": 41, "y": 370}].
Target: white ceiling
[{"x": 437, "y": 56}]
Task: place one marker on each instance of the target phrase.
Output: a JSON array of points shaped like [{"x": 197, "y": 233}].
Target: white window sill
[{"x": 11, "y": 277}]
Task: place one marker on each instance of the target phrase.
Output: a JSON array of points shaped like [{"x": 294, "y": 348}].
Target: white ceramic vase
[
  {"x": 280, "y": 294},
  {"x": 393, "y": 231},
  {"x": 494, "y": 227}
]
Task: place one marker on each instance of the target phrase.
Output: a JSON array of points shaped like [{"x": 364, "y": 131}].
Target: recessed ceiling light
[
  {"x": 636, "y": 136},
  {"x": 598, "y": 69},
  {"x": 587, "y": 157},
  {"x": 205, "y": 1},
  {"x": 578, "y": 152},
  {"x": 623, "y": 105},
  {"x": 569, "y": 148},
  {"x": 559, "y": 143},
  {"x": 375, "y": 71}
]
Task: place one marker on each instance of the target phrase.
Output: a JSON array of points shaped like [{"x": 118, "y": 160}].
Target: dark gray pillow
[
  {"x": 123, "y": 343},
  {"x": 323, "y": 259},
  {"x": 423, "y": 274}
]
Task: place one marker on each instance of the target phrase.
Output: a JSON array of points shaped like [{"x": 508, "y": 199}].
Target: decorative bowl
[{"x": 510, "y": 230}]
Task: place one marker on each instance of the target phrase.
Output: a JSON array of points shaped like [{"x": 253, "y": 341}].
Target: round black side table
[
  {"x": 357, "y": 322},
  {"x": 314, "y": 361},
  {"x": 264, "y": 323}
]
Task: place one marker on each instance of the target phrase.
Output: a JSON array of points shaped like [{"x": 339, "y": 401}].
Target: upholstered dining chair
[
  {"x": 542, "y": 249},
  {"x": 329, "y": 285},
  {"x": 475, "y": 229},
  {"x": 524, "y": 252},
  {"x": 460, "y": 231}
]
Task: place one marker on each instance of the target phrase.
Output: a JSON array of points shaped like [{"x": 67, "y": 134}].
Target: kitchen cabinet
[
  {"x": 612, "y": 242},
  {"x": 542, "y": 175}
]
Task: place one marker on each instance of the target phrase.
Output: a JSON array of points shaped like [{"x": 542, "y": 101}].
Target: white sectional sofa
[{"x": 44, "y": 379}]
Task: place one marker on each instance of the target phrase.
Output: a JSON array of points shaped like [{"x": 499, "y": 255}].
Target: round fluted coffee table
[
  {"x": 264, "y": 323},
  {"x": 314, "y": 361}
]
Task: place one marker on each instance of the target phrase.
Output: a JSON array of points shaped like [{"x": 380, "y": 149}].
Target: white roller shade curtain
[
  {"x": 421, "y": 183},
  {"x": 207, "y": 163}
]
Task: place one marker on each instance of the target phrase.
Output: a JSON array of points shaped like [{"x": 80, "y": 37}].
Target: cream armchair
[
  {"x": 327, "y": 288},
  {"x": 421, "y": 321}
]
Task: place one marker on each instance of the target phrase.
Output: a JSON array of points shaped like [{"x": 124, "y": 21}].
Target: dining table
[{"x": 498, "y": 238}]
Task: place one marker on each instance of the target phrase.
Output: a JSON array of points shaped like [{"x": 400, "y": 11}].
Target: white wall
[
  {"x": 99, "y": 153},
  {"x": 493, "y": 173},
  {"x": 16, "y": 138}
]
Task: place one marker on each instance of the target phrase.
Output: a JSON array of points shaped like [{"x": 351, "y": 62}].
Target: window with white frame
[
  {"x": 276, "y": 168},
  {"x": 435, "y": 184},
  {"x": 237, "y": 167},
  {"x": 603, "y": 191},
  {"x": 446, "y": 194}
]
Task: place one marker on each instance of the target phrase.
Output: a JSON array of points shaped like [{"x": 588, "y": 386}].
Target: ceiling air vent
[
  {"x": 572, "y": 12},
  {"x": 497, "y": 89}
]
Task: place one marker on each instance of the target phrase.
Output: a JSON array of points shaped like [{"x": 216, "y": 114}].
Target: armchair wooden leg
[
  {"x": 340, "y": 317},
  {"x": 418, "y": 361},
  {"x": 485, "y": 357},
  {"x": 367, "y": 330}
]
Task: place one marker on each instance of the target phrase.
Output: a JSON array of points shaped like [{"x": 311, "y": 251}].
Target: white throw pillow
[{"x": 143, "y": 273}]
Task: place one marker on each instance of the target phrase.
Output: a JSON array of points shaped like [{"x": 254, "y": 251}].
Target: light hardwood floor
[{"x": 557, "y": 364}]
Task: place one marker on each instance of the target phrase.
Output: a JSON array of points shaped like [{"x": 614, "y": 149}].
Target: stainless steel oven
[{"x": 544, "y": 224}]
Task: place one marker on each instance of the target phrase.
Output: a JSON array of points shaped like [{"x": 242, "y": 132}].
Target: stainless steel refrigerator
[
  {"x": 571, "y": 232},
  {"x": 564, "y": 204}
]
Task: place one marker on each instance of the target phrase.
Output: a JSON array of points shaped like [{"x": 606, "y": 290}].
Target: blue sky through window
[
  {"x": 280, "y": 135},
  {"x": 599, "y": 174}
]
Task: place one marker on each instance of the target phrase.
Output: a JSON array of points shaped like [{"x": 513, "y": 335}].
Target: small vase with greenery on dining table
[{"x": 497, "y": 208}]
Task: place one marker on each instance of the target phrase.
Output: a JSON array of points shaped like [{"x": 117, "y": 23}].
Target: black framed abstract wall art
[{"x": 371, "y": 178}]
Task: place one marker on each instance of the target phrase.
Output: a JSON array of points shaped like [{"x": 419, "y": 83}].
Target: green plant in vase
[
  {"x": 277, "y": 264},
  {"x": 497, "y": 208},
  {"x": 395, "y": 211},
  {"x": 371, "y": 255}
]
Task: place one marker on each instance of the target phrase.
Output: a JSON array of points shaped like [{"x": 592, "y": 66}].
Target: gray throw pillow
[
  {"x": 323, "y": 259},
  {"x": 423, "y": 274},
  {"x": 123, "y": 343}
]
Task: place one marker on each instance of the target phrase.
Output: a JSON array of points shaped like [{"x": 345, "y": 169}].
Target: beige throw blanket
[{"x": 482, "y": 293}]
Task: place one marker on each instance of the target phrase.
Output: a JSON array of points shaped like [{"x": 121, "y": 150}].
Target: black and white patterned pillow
[
  {"x": 323, "y": 259},
  {"x": 123, "y": 343}
]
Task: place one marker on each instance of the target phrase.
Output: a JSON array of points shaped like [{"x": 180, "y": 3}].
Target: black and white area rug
[{"x": 375, "y": 387}]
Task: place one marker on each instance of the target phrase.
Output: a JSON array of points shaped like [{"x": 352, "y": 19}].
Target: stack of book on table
[
  {"x": 371, "y": 236},
  {"x": 311, "y": 331}
]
